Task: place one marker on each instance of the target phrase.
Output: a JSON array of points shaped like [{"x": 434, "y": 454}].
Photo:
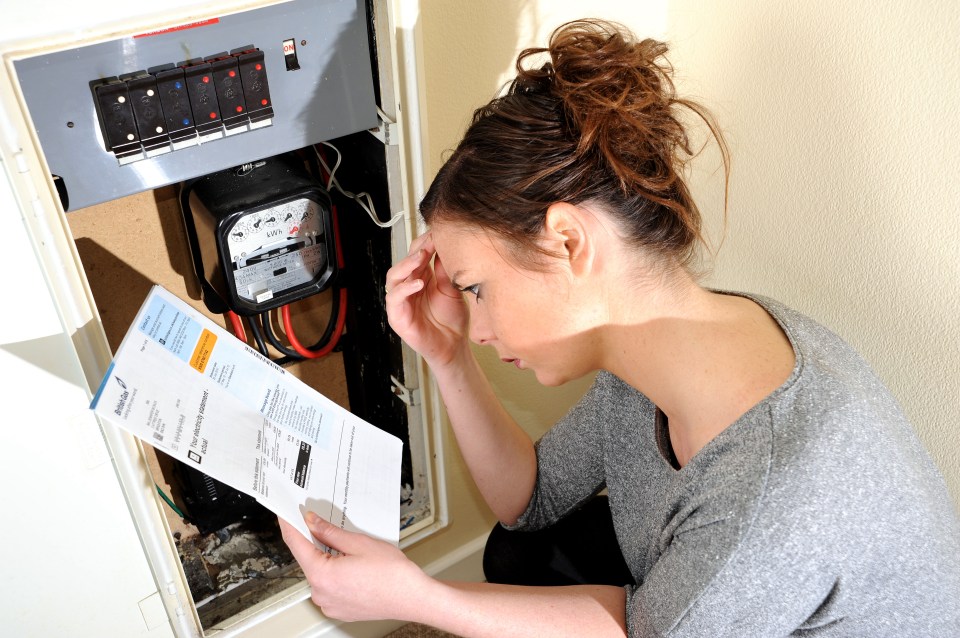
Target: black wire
[
  {"x": 331, "y": 323},
  {"x": 258, "y": 336},
  {"x": 272, "y": 338}
]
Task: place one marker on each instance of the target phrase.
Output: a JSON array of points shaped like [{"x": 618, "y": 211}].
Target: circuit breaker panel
[
  {"x": 119, "y": 117},
  {"x": 249, "y": 163}
]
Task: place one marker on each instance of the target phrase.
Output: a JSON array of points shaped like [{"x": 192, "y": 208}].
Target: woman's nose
[{"x": 480, "y": 330}]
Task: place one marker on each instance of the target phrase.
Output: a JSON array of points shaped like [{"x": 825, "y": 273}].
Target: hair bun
[
  {"x": 618, "y": 98},
  {"x": 599, "y": 123}
]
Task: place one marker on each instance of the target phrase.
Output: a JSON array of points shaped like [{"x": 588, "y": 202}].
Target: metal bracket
[
  {"x": 405, "y": 394},
  {"x": 386, "y": 130}
]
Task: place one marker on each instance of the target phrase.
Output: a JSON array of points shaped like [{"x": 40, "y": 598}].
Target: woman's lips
[{"x": 516, "y": 362}]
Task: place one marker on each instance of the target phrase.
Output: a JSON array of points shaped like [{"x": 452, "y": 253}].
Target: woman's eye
[{"x": 473, "y": 290}]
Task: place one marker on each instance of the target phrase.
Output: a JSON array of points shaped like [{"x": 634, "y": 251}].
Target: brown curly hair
[{"x": 598, "y": 123}]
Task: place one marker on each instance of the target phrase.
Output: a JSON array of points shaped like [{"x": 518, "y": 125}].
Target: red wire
[
  {"x": 334, "y": 338},
  {"x": 237, "y": 324},
  {"x": 336, "y": 234},
  {"x": 341, "y": 315}
]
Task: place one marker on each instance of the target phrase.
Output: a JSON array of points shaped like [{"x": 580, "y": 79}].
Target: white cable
[
  {"x": 363, "y": 199},
  {"x": 383, "y": 116}
]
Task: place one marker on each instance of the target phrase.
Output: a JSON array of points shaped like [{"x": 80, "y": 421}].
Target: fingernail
[{"x": 311, "y": 518}]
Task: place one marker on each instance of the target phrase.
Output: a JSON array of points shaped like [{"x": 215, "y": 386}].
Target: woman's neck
[{"x": 703, "y": 358}]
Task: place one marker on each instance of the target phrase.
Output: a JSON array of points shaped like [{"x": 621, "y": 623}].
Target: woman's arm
[
  {"x": 429, "y": 314},
  {"x": 369, "y": 579},
  {"x": 498, "y": 453},
  {"x": 485, "y": 610}
]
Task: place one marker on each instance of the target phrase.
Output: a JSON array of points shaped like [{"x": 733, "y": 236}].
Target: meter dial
[
  {"x": 240, "y": 230},
  {"x": 270, "y": 218},
  {"x": 255, "y": 225},
  {"x": 300, "y": 218},
  {"x": 282, "y": 249},
  {"x": 257, "y": 231}
]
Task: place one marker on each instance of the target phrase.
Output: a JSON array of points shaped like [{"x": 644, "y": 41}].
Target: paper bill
[{"x": 188, "y": 387}]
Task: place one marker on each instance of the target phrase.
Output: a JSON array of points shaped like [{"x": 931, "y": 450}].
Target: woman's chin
[{"x": 548, "y": 379}]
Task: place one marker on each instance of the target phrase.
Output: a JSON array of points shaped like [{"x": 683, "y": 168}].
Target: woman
[{"x": 760, "y": 480}]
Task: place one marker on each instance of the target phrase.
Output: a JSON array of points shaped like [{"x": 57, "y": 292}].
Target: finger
[
  {"x": 332, "y": 536},
  {"x": 424, "y": 241},
  {"x": 300, "y": 546},
  {"x": 414, "y": 266},
  {"x": 401, "y": 291},
  {"x": 418, "y": 254}
]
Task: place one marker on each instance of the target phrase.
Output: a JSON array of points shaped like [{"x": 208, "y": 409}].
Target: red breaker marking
[{"x": 182, "y": 27}]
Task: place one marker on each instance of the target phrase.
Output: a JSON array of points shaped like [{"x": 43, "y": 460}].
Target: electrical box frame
[{"x": 384, "y": 376}]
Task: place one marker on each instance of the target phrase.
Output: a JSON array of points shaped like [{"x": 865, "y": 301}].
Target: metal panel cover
[{"x": 329, "y": 95}]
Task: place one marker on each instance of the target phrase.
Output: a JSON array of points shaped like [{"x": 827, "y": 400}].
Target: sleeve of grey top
[{"x": 569, "y": 464}]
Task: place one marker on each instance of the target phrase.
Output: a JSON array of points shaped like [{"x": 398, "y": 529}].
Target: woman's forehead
[{"x": 453, "y": 236}]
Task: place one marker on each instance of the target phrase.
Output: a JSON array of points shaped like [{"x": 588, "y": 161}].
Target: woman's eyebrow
[{"x": 453, "y": 280}]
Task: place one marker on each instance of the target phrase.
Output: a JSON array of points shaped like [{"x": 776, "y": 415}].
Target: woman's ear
[{"x": 567, "y": 232}]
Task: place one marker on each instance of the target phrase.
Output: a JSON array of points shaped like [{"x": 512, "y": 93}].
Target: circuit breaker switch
[
  {"x": 148, "y": 113},
  {"x": 290, "y": 55},
  {"x": 256, "y": 88},
  {"x": 117, "y": 120},
  {"x": 172, "y": 88},
  {"x": 226, "y": 80},
  {"x": 203, "y": 100}
]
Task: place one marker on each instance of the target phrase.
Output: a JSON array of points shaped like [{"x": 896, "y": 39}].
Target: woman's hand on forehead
[
  {"x": 415, "y": 266},
  {"x": 423, "y": 307}
]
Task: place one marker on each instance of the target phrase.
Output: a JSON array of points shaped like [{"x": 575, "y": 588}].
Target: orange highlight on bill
[{"x": 201, "y": 354}]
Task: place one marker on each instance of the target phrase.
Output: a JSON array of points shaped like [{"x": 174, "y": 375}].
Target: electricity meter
[{"x": 261, "y": 235}]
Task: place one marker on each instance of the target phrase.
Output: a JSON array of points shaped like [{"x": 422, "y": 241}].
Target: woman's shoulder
[
  {"x": 806, "y": 334},
  {"x": 826, "y": 364}
]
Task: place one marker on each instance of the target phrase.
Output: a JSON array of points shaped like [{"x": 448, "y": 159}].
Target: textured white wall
[
  {"x": 843, "y": 121},
  {"x": 843, "y": 125}
]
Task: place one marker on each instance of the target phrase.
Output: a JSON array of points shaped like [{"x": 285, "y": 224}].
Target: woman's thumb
[{"x": 327, "y": 533}]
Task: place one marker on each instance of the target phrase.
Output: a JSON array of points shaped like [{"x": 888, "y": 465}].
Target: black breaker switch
[
  {"x": 256, "y": 89},
  {"x": 145, "y": 101},
  {"x": 203, "y": 99},
  {"x": 116, "y": 119},
  {"x": 226, "y": 79},
  {"x": 169, "y": 107},
  {"x": 176, "y": 106}
]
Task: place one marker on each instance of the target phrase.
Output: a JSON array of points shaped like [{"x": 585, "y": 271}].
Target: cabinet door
[{"x": 73, "y": 563}]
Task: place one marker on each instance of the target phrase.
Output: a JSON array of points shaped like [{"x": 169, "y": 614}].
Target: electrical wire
[
  {"x": 363, "y": 199},
  {"x": 383, "y": 116},
  {"x": 237, "y": 324},
  {"x": 340, "y": 307},
  {"x": 335, "y": 338},
  {"x": 169, "y": 502},
  {"x": 258, "y": 337},
  {"x": 272, "y": 338},
  {"x": 331, "y": 324},
  {"x": 321, "y": 342}
]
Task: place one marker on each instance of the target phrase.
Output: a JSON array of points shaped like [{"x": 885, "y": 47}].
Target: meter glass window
[{"x": 277, "y": 249}]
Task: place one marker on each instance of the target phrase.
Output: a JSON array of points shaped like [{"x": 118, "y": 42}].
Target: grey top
[{"x": 816, "y": 513}]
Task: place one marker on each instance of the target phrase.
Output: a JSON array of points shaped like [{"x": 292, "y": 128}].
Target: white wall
[
  {"x": 842, "y": 121},
  {"x": 842, "y": 118}
]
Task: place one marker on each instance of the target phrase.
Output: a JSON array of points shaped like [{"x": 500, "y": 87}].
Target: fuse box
[
  {"x": 131, "y": 127},
  {"x": 103, "y": 106}
]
